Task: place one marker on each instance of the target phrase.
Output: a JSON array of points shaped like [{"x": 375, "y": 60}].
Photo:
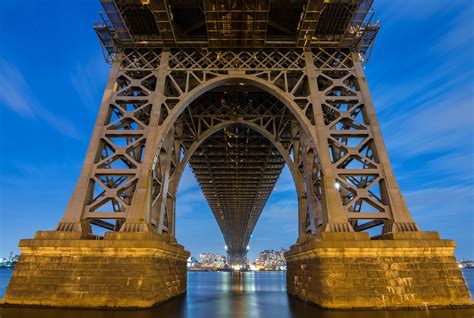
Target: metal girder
[
  {"x": 307, "y": 25},
  {"x": 120, "y": 28},
  {"x": 164, "y": 20},
  {"x": 236, "y": 23},
  {"x": 237, "y": 116}
]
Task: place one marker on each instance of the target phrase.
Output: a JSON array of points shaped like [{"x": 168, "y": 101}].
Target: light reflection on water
[{"x": 254, "y": 295}]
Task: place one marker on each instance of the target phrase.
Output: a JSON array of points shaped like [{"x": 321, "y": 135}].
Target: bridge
[{"x": 238, "y": 89}]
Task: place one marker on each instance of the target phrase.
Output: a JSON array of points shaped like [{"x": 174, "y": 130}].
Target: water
[
  {"x": 5, "y": 275},
  {"x": 215, "y": 294}
]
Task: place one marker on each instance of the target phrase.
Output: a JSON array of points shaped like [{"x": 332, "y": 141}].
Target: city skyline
[{"x": 435, "y": 176}]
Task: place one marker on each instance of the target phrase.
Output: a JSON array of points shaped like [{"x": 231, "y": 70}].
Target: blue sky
[{"x": 421, "y": 76}]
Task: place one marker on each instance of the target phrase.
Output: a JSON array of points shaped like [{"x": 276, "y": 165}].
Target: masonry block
[
  {"x": 401, "y": 270},
  {"x": 122, "y": 270}
]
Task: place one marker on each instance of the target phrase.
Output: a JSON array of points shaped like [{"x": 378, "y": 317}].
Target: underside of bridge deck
[
  {"x": 236, "y": 166},
  {"x": 237, "y": 169}
]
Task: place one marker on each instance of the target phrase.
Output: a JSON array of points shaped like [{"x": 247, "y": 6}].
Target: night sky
[{"x": 52, "y": 76}]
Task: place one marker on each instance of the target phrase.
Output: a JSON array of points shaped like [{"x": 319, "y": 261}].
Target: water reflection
[{"x": 259, "y": 295}]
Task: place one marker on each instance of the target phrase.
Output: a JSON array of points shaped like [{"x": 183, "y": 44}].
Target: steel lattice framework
[
  {"x": 164, "y": 108},
  {"x": 237, "y": 109}
]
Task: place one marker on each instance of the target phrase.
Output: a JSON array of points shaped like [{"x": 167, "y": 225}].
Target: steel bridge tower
[{"x": 237, "y": 89}]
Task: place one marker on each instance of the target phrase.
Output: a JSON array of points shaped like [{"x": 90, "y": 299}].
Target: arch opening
[
  {"x": 236, "y": 144},
  {"x": 236, "y": 182},
  {"x": 273, "y": 112}
]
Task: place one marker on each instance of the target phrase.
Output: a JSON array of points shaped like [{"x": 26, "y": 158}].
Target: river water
[{"x": 220, "y": 294}]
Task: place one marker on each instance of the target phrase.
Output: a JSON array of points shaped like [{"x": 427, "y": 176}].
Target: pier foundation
[
  {"x": 62, "y": 269},
  {"x": 398, "y": 270}
]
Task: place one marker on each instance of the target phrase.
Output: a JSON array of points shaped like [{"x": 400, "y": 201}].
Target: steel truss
[{"x": 260, "y": 108}]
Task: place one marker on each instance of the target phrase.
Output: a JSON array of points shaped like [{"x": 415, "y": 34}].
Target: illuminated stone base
[
  {"x": 402, "y": 270},
  {"x": 61, "y": 269}
]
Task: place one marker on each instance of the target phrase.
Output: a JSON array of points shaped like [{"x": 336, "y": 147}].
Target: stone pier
[
  {"x": 348, "y": 270},
  {"x": 62, "y": 269}
]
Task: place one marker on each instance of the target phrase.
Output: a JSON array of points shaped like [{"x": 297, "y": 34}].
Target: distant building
[
  {"x": 465, "y": 263},
  {"x": 270, "y": 260},
  {"x": 212, "y": 261},
  {"x": 9, "y": 262},
  {"x": 192, "y": 261},
  {"x": 207, "y": 262}
]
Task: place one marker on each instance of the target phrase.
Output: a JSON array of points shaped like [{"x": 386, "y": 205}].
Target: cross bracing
[{"x": 225, "y": 111}]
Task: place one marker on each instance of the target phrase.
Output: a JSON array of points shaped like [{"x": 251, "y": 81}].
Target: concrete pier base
[
  {"x": 399, "y": 270},
  {"x": 62, "y": 269}
]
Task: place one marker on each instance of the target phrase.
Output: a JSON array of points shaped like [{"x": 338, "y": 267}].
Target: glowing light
[
  {"x": 248, "y": 247},
  {"x": 225, "y": 247},
  {"x": 337, "y": 185}
]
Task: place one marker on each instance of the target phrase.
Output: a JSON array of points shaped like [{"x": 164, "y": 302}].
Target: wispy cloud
[
  {"x": 447, "y": 125},
  {"x": 459, "y": 34},
  {"x": 435, "y": 204},
  {"x": 88, "y": 81},
  {"x": 15, "y": 92},
  {"x": 425, "y": 97},
  {"x": 414, "y": 91},
  {"x": 392, "y": 11},
  {"x": 189, "y": 197},
  {"x": 280, "y": 218},
  {"x": 284, "y": 209},
  {"x": 285, "y": 182},
  {"x": 452, "y": 169},
  {"x": 17, "y": 95},
  {"x": 188, "y": 180},
  {"x": 433, "y": 62},
  {"x": 447, "y": 209}
]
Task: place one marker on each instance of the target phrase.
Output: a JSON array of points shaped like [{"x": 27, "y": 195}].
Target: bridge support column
[
  {"x": 62, "y": 269},
  {"x": 237, "y": 259},
  {"x": 348, "y": 270}
]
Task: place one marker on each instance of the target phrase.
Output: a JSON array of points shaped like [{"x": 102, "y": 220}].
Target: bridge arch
[
  {"x": 292, "y": 154},
  {"x": 236, "y": 255},
  {"x": 187, "y": 98},
  {"x": 339, "y": 148},
  {"x": 281, "y": 149}
]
